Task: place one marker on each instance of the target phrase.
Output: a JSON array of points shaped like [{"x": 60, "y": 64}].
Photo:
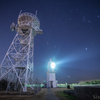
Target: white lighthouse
[{"x": 51, "y": 77}]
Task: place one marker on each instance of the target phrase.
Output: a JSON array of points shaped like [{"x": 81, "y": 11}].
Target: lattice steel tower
[{"x": 17, "y": 65}]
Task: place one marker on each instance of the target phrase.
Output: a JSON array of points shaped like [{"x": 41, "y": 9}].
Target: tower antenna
[
  {"x": 20, "y": 12},
  {"x": 17, "y": 65},
  {"x": 36, "y": 13}
]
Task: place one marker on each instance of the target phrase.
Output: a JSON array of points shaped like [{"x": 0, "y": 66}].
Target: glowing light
[
  {"x": 53, "y": 65},
  {"x": 85, "y": 48}
]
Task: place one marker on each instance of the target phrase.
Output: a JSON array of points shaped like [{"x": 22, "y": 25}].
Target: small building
[{"x": 51, "y": 75}]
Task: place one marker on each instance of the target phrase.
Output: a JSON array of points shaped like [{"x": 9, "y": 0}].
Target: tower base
[{"x": 51, "y": 79}]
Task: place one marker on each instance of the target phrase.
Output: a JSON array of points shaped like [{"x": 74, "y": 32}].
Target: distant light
[
  {"x": 12, "y": 29},
  {"x": 53, "y": 65},
  {"x": 85, "y": 48}
]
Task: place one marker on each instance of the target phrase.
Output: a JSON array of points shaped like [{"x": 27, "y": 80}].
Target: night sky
[{"x": 71, "y": 36}]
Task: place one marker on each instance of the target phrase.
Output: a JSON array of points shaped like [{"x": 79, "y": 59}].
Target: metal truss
[{"x": 17, "y": 65}]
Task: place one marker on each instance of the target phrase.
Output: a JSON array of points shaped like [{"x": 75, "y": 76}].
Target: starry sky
[{"x": 71, "y": 36}]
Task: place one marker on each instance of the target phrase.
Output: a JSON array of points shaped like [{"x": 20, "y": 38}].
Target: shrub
[{"x": 3, "y": 84}]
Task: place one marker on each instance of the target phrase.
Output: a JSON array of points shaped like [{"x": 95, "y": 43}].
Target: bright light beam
[{"x": 53, "y": 65}]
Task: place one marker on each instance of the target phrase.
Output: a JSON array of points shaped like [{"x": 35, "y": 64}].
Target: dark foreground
[{"x": 44, "y": 94}]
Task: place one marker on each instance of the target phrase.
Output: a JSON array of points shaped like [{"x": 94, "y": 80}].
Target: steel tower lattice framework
[{"x": 17, "y": 65}]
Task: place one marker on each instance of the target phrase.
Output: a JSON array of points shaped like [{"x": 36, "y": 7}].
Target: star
[
  {"x": 77, "y": 9},
  {"x": 54, "y": 46},
  {"x": 85, "y": 48},
  {"x": 89, "y": 21},
  {"x": 47, "y": 43}
]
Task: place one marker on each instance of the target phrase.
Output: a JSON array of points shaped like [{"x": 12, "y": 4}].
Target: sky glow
[{"x": 71, "y": 36}]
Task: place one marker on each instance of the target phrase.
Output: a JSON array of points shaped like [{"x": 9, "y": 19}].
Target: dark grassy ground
[
  {"x": 12, "y": 96},
  {"x": 23, "y": 97},
  {"x": 40, "y": 95},
  {"x": 64, "y": 96}
]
